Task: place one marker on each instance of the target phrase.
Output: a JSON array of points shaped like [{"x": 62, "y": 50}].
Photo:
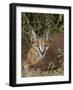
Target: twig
[{"x": 61, "y": 27}]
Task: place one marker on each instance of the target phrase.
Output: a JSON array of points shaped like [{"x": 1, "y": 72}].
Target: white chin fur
[{"x": 41, "y": 56}]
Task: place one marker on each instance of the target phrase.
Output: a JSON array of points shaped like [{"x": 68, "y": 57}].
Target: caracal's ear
[
  {"x": 48, "y": 36},
  {"x": 33, "y": 36}
]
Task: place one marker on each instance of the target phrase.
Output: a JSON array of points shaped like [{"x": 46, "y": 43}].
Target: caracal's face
[{"x": 41, "y": 46}]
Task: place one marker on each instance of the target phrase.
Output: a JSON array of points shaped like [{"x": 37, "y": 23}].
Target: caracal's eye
[
  {"x": 47, "y": 46},
  {"x": 36, "y": 45}
]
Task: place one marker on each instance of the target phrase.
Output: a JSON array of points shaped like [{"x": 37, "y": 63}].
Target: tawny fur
[{"x": 34, "y": 61}]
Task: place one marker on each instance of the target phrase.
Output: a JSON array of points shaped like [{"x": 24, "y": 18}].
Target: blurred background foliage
[{"x": 40, "y": 23}]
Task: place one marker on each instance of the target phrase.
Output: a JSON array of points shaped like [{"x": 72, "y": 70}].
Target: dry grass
[{"x": 52, "y": 69}]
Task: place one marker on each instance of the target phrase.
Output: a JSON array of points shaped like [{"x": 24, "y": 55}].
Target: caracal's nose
[
  {"x": 42, "y": 53},
  {"x": 42, "y": 50}
]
